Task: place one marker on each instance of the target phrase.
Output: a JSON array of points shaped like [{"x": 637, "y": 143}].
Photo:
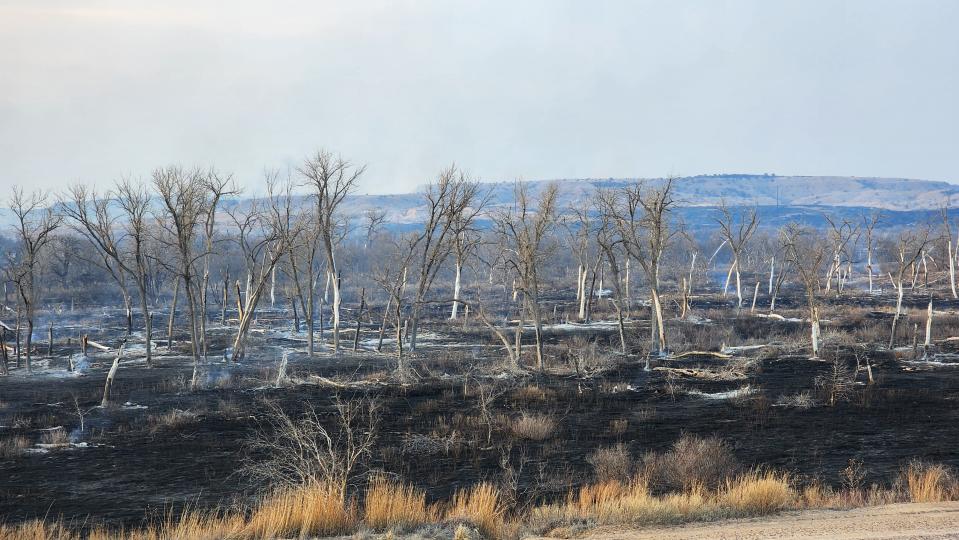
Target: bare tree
[
  {"x": 217, "y": 187},
  {"x": 610, "y": 245},
  {"x": 525, "y": 228},
  {"x": 910, "y": 247},
  {"x": 736, "y": 231},
  {"x": 332, "y": 179},
  {"x": 184, "y": 205},
  {"x": 843, "y": 236},
  {"x": 35, "y": 222},
  {"x": 260, "y": 236},
  {"x": 869, "y": 228},
  {"x": 452, "y": 202},
  {"x": 643, "y": 218},
  {"x": 134, "y": 200},
  {"x": 947, "y": 233},
  {"x": 806, "y": 254}
]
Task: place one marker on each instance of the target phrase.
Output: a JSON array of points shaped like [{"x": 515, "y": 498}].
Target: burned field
[{"x": 460, "y": 416}]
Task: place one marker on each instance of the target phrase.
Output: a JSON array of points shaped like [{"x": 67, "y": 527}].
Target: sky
[{"x": 94, "y": 90}]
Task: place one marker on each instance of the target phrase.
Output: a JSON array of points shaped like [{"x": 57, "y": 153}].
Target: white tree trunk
[
  {"x": 755, "y": 294},
  {"x": 772, "y": 272},
  {"x": 952, "y": 271},
  {"x": 929, "y": 325},
  {"x": 273, "y": 288},
  {"x": 456, "y": 292}
]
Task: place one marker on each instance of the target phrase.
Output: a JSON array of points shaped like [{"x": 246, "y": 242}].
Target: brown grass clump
[
  {"x": 392, "y": 505},
  {"x": 481, "y": 506},
  {"x": 56, "y": 437},
  {"x": 312, "y": 510},
  {"x": 533, "y": 427},
  {"x": 173, "y": 419},
  {"x": 14, "y": 446},
  {"x": 532, "y": 394},
  {"x": 758, "y": 493},
  {"x": 928, "y": 483}
]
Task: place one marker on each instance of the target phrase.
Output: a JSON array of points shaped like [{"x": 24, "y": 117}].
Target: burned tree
[
  {"x": 643, "y": 221},
  {"x": 332, "y": 180},
  {"x": 524, "y": 229},
  {"x": 35, "y": 222},
  {"x": 260, "y": 236},
  {"x": 806, "y": 254},
  {"x": 452, "y": 203},
  {"x": 910, "y": 248},
  {"x": 736, "y": 232},
  {"x": 184, "y": 204}
]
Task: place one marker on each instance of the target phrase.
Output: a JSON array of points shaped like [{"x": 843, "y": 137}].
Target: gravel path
[{"x": 895, "y": 521}]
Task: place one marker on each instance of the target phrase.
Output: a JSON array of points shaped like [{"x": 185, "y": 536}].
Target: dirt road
[{"x": 896, "y": 521}]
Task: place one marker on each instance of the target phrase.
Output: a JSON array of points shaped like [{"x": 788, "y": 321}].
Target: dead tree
[
  {"x": 332, "y": 180},
  {"x": 524, "y": 228},
  {"x": 869, "y": 228},
  {"x": 184, "y": 204},
  {"x": 947, "y": 234},
  {"x": 391, "y": 276},
  {"x": 843, "y": 237},
  {"x": 736, "y": 231},
  {"x": 610, "y": 245},
  {"x": 579, "y": 230},
  {"x": 465, "y": 242},
  {"x": 806, "y": 254},
  {"x": 643, "y": 218},
  {"x": 217, "y": 187},
  {"x": 34, "y": 223},
  {"x": 910, "y": 247},
  {"x": 452, "y": 203},
  {"x": 134, "y": 201},
  {"x": 260, "y": 237}
]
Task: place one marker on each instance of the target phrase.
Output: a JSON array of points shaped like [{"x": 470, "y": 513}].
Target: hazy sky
[{"x": 93, "y": 90}]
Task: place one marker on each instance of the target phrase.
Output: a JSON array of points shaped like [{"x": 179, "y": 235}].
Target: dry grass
[
  {"x": 607, "y": 503},
  {"x": 391, "y": 505},
  {"x": 758, "y": 493},
  {"x": 928, "y": 483},
  {"x": 11, "y": 447},
  {"x": 56, "y": 437},
  {"x": 313, "y": 510},
  {"x": 174, "y": 419},
  {"x": 482, "y": 506},
  {"x": 533, "y": 427}
]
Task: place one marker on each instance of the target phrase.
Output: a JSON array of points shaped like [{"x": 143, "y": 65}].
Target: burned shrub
[{"x": 691, "y": 462}]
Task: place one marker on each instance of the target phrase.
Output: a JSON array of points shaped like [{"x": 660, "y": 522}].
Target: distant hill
[{"x": 792, "y": 195}]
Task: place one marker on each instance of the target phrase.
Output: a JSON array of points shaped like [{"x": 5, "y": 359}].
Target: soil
[{"x": 926, "y": 521}]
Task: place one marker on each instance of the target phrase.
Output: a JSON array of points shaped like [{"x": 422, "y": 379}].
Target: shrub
[
  {"x": 611, "y": 463},
  {"x": 55, "y": 437},
  {"x": 691, "y": 462}
]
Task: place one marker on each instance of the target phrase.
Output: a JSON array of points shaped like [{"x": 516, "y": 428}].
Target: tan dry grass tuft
[
  {"x": 928, "y": 483},
  {"x": 14, "y": 446},
  {"x": 482, "y": 506},
  {"x": 392, "y": 505},
  {"x": 758, "y": 493},
  {"x": 533, "y": 427}
]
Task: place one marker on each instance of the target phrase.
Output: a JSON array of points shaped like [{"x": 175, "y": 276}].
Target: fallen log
[{"x": 714, "y": 354}]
